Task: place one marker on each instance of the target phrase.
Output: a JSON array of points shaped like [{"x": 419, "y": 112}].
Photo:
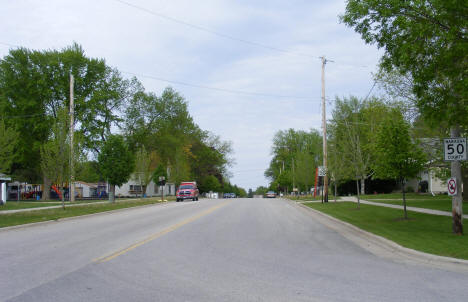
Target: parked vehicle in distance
[
  {"x": 187, "y": 190},
  {"x": 229, "y": 195},
  {"x": 270, "y": 194}
]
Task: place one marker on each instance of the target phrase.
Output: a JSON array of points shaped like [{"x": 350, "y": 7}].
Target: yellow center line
[{"x": 159, "y": 234}]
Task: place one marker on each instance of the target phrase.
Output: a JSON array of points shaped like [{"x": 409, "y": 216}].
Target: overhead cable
[
  {"x": 217, "y": 88},
  {"x": 216, "y": 33}
]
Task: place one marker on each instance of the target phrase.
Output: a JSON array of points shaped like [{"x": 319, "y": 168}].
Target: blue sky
[{"x": 163, "y": 39}]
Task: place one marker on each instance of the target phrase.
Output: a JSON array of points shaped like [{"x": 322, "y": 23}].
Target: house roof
[
  {"x": 4, "y": 177},
  {"x": 91, "y": 185}
]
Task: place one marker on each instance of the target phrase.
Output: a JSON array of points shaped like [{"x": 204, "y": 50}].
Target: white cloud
[{"x": 137, "y": 41}]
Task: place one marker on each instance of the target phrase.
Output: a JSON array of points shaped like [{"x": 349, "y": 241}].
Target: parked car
[
  {"x": 270, "y": 194},
  {"x": 187, "y": 190},
  {"x": 229, "y": 195}
]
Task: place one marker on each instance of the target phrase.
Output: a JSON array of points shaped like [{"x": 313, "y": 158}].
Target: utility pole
[
  {"x": 457, "y": 199},
  {"x": 324, "y": 126},
  {"x": 71, "y": 190},
  {"x": 294, "y": 177}
]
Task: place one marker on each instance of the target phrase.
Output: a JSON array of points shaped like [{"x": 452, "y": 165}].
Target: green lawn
[
  {"x": 427, "y": 233},
  {"x": 438, "y": 202},
  {"x": 408, "y": 196},
  {"x": 307, "y": 198},
  {"x": 54, "y": 214},
  {"x": 14, "y": 205}
]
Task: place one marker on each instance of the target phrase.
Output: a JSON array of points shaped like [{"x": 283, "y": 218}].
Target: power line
[
  {"x": 233, "y": 91},
  {"x": 11, "y": 45},
  {"x": 213, "y": 32},
  {"x": 372, "y": 88},
  {"x": 227, "y": 36},
  {"x": 217, "y": 88},
  {"x": 251, "y": 170}
]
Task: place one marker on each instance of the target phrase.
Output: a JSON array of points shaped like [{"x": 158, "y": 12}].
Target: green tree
[
  {"x": 305, "y": 171},
  {"x": 242, "y": 193},
  {"x": 116, "y": 162},
  {"x": 88, "y": 171},
  {"x": 160, "y": 171},
  {"x": 8, "y": 141},
  {"x": 295, "y": 156},
  {"x": 55, "y": 154},
  {"x": 164, "y": 125},
  {"x": 143, "y": 168},
  {"x": 398, "y": 156},
  {"x": 428, "y": 41},
  {"x": 34, "y": 86},
  {"x": 352, "y": 131},
  {"x": 209, "y": 183},
  {"x": 179, "y": 167},
  {"x": 261, "y": 190}
]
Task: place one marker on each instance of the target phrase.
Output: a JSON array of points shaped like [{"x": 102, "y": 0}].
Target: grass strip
[
  {"x": 55, "y": 214},
  {"x": 423, "y": 232},
  {"x": 307, "y": 198},
  {"x": 19, "y": 205}
]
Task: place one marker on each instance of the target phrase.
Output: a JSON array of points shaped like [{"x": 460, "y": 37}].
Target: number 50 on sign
[{"x": 454, "y": 148}]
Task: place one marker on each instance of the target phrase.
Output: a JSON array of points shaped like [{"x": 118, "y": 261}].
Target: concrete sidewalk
[
  {"x": 60, "y": 206},
  {"x": 394, "y": 206}
]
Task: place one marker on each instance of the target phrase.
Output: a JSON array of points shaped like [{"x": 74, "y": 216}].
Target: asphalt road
[{"x": 211, "y": 250}]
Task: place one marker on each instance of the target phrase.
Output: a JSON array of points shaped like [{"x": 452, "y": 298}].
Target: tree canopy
[
  {"x": 427, "y": 40},
  {"x": 116, "y": 162},
  {"x": 296, "y": 154},
  {"x": 8, "y": 138},
  {"x": 34, "y": 87},
  {"x": 398, "y": 157}
]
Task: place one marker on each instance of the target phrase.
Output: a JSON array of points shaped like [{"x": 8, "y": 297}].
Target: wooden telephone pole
[
  {"x": 324, "y": 126},
  {"x": 71, "y": 190}
]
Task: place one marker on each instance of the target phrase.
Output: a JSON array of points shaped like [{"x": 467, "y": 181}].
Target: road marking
[{"x": 159, "y": 234}]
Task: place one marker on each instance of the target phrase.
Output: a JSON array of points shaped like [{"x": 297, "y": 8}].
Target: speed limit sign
[{"x": 454, "y": 148}]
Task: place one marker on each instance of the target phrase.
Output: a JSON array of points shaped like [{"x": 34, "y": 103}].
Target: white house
[
  {"x": 133, "y": 188},
  {"x": 434, "y": 185},
  {"x": 84, "y": 189}
]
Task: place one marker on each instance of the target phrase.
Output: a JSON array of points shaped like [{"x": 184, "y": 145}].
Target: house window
[
  {"x": 169, "y": 189},
  {"x": 135, "y": 188},
  {"x": 156, "y": 189}
]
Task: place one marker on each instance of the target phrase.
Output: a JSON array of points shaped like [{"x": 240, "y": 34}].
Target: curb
[
  {"x": 40, "y": 223},
  {"x": 385, "y": 248}
]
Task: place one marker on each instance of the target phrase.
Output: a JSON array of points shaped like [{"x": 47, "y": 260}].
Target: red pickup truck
[{"x": 187, "y": 190}]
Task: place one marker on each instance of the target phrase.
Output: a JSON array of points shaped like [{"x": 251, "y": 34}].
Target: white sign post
[
  {"x": 452, "y": 186},
  {"x": 454, "y": 148}
]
